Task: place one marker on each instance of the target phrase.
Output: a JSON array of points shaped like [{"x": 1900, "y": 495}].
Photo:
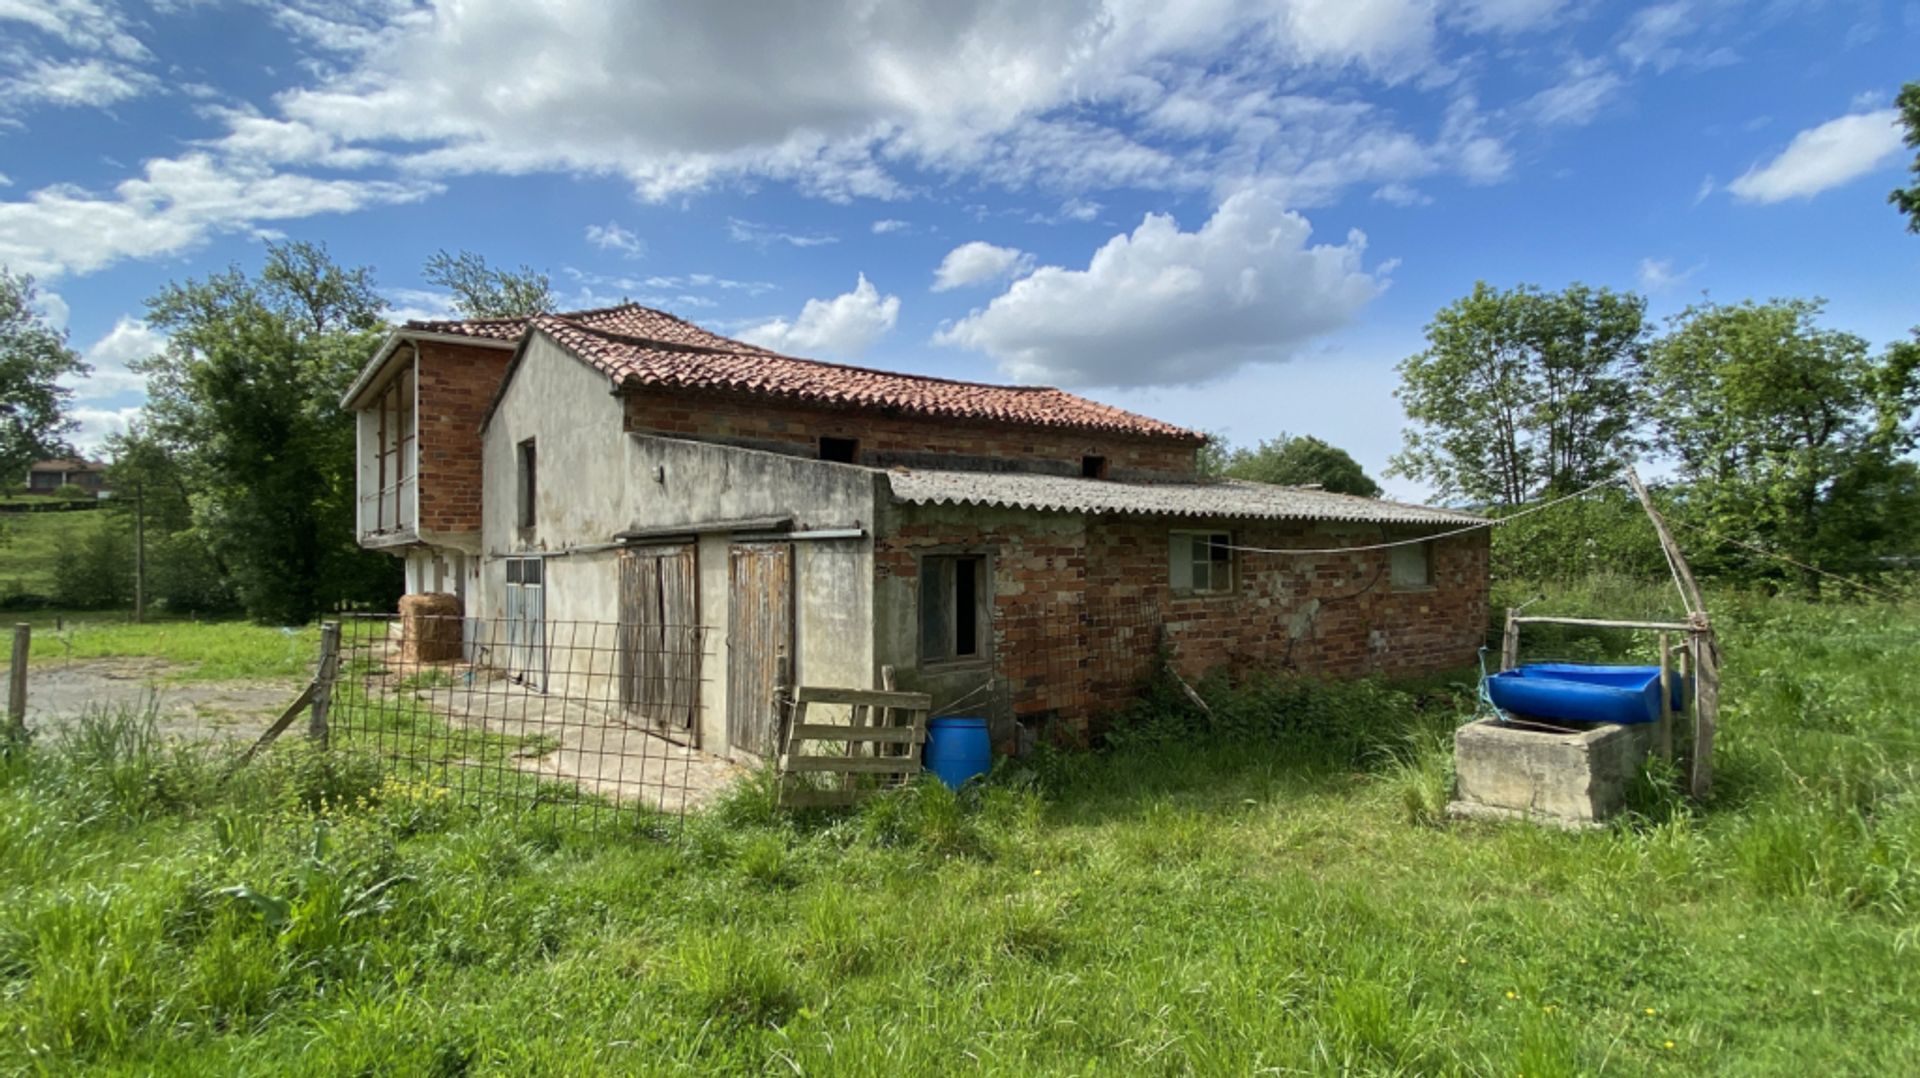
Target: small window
[
  {"x": 1201, "y": 562},
  {"x": 529, "y": 481},
  {"x": 952, "y": 595},
  {"x": 1412, "y": 566},
  {"x": 840, "y": 450},
  {"x": 1093, "y": 467}
]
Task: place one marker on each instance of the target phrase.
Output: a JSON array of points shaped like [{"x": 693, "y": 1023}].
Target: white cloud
[
  {"x": 832, "y": 97},
  {"x": 110, "y": 357},
  {"x": 977, "y": 263},
  {"x": 1659, "y": 275},
  {"x": 1649, "y": 37},
  {"x": 842, "y": 327},
  {"x": 98, "y": 424},
  {"x": 1400, "y": 194},
  {"x": 887, "y": 225},
  {"x": 1164, "y": 307},
  {"x": 92, "y": 83},
  {"x": 1575, "y": 100},
  {"x": 611, "y": 237},
  {"x": 1824, "y": 157},
  {"x": 262, "y": 139},
  {"x": 1507, "y": 16},
  {"x": 761, "y": 235},
  {"x": 1079, "y": 209},
  {"x": 174, "y": 205},
  {"x": 81, "y": 24},
  {"x": 54, "y": 308}
]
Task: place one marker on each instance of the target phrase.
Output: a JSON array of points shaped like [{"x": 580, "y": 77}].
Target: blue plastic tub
[
  {"x": 957, "y": 749},
  {"x": 1570, "y": 692}
]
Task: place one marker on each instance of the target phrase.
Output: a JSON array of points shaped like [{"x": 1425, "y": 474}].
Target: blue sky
[{"x": 1235, "y": 215}]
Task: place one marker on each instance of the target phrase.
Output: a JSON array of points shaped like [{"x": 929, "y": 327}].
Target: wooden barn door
[
  {"x": 660, "y": 638},
  {"x": 759, "y": 630}
]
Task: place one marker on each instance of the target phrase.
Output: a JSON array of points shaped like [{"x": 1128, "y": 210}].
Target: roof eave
[{"x": 395, "y": 337}]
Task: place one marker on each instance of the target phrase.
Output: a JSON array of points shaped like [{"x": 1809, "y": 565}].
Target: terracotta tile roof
[{"x": 640, "y": 347}]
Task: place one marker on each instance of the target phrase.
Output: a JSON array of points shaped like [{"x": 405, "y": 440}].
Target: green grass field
[
  {"x": 1275, "y": 894},
  {"x": 30, "y": 543},
  {"x": 207, "y": 651}
]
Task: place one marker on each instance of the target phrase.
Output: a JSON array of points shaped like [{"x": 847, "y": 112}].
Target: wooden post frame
[
  {"x": 796, "y": 760},
  {"x": 1666, "y": 695},
  {"x": 323, "y": 679},
  {"x": 17, "y": 679},
  {"x": 1510, "y": 640},
  {"x": 1706, "y": 649}
]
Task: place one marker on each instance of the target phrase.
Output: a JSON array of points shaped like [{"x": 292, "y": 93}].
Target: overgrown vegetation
[{"x": 1269, "y": 887}]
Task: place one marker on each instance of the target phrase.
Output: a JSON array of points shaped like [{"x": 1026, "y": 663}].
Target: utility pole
[{"x": 139, "y": 552}]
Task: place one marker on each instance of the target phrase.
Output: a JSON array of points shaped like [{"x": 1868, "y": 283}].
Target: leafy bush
[{"x": 97, "y": 572}]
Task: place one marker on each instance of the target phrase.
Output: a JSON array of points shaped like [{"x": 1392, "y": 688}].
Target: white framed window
[
  {"x": 1411, "y": 566},
  {"x": 1200, "y": 562}
]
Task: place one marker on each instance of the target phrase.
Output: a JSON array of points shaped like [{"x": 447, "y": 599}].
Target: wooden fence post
[
  {"x": 782, "y": 697},
  {"x": 1667, "y": 698},
  {"x": 17, "y": 679},
  {"x": 323, "y": 682},
  {"x": 1510, "y": 640},
  {"x": 1706, "y": 710}
]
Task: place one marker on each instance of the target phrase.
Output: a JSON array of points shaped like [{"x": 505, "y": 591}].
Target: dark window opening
[
  {"x": 528, "y": 483},
  {"x": 1093, "y": 467},
  {"x": 840, "y": 450},
  {"x": 951, "y": 595}
]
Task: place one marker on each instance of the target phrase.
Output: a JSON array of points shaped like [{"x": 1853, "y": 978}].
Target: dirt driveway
[{"x": 58, "y": 695}]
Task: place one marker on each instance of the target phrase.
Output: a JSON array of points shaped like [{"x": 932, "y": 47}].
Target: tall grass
[{"x": 1265, "y": 886}]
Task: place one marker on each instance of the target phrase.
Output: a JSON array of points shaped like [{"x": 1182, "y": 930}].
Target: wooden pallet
[{"x": 882, "y": 737}]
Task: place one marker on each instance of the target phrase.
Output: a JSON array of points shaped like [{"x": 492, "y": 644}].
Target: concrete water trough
[{"x": 1571, "y": 777}]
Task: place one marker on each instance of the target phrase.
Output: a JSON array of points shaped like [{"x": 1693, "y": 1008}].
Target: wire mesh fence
[
  {"x": 1069, "y": 663},
  {"x": 592, "y": 723}
]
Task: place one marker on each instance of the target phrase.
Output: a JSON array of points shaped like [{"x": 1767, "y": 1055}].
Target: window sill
[{"x": 942, "y": 666}]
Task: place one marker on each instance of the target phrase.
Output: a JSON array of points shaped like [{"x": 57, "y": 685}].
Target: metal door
[
  {"x": 759, "y": 631},
  {"x": 660, "y": 638},
  {"x": 527, "y": 622}
]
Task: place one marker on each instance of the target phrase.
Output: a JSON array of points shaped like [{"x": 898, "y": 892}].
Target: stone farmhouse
[{"x": 1017, "y": 551}]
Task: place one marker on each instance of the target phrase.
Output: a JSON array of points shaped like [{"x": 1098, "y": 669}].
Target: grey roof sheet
[{"x": 1224, "y": 498}]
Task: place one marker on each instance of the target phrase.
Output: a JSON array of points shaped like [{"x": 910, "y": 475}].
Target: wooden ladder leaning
[{"x": 892, "y": 724}]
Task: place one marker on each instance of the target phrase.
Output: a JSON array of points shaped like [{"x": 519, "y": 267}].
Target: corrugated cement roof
[{"x": 1225, "y": 498}]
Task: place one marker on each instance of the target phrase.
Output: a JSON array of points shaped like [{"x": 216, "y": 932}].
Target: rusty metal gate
[
  {"x": 660, "y": 638},
  {"x": 759, "y": 630}
]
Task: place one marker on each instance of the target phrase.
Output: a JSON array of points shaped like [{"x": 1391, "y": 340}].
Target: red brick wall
[
  {"x": 888, "y": 440},
  {"x": 457, "y": 384},
  {"x": 1076, "y": 611}
]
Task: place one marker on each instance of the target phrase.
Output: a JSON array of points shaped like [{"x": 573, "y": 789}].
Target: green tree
[
  {"x": 34, "y": 356},
  {"x": 246, "y": 399},
  {"x": 1521, "y": 392},
  {"x": 1789, "y": 435},
  {"x": 1301, "y": 461},
  {"x": 480, "y": 291},
  {"x": 1907, "y": 199},
  {"x": 184, "y": 572}
]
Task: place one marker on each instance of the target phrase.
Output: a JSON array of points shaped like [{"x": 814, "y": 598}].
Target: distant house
[
  {"x": 47, "y": 476},
  {"x": 994, "y": 545}
]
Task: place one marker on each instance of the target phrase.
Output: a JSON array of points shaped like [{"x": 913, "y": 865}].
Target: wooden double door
[{"x": 661, "y": 640}]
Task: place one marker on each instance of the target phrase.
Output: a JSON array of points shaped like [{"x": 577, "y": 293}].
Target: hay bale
[{"x": 430, "y": 628}]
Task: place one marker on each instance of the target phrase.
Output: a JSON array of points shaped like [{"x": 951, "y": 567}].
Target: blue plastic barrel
[{"x": 957, "y": 749}]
